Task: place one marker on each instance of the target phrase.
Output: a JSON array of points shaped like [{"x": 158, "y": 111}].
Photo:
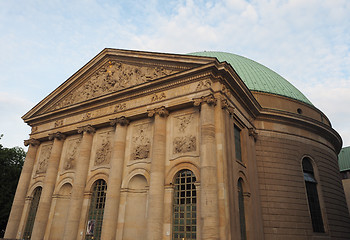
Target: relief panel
[
  {"x": 102, "y": 148},
  {"x": 70, "y": 154},
  {"x": 43, "y": 159},
  {"x": 184, "y": 130},
  {"x": 141, "y": 142}
]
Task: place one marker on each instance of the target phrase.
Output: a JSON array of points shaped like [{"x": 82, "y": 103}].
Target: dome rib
[{"x": 256, "y": 76}]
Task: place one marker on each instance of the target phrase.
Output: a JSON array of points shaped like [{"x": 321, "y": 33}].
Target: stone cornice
[
  {"x": 209, "y": 99},
  {"x": 161, "y": 111},
  {"x": 32, "y": 142},
  {"x": 123, "y": 121},
  {"x": 87, "y": 129},
  {"x": 57, "y": 135}
]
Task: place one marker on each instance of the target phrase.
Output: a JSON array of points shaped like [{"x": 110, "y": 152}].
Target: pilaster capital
[
  {"x": 57, "y": 135},
  {"x": 209, "y": 99},
  {"x": 123, "y": 121},
  {"x": 226, "y": 105},
  {"x": 32, "y": 142},
  {"x": 252, "y": 132},
  {"x": 88, "y": 129},
  {"x": 161, "y": 111}
]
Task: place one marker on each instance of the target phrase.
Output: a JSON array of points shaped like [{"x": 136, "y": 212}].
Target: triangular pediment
[{"x": 112, "y": 71}]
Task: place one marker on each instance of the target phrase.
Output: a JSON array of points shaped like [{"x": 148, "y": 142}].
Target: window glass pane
[
  {"x": 312, "y": 196},
  {"x": 97, "y": 205},
  {"x": 237, "y": 133},
  {"x": 32, "y": 213},
  {"x": 184, "y": 209}
]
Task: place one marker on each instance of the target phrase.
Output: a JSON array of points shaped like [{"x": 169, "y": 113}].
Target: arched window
[
  {"x": 97, "y": 206},
  {"x": 32, "y": 213},
  {"x": 241, "y": 209},
  {"x": 312, "y": 196},
  {"x": 184, "y": 208}
]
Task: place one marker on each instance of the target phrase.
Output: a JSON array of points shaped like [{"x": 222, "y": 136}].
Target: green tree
[{"x": 11, "y": 162}]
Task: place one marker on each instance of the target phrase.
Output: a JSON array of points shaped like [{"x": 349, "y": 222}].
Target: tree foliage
[{"x": 11, "y": 162}]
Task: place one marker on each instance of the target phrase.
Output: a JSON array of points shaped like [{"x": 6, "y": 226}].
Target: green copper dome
[
  {"x": 344, "y": 159},
  {"x": 256, "y": 76}
]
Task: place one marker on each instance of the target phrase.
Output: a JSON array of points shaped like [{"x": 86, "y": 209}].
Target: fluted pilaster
[
  {"x": 22, "y": 188},
  {"x": 72, "y": 224},
  {"x": 156, "y": 190},
  {"x": 208, "y": 159},
  {"x": 48, "y": 187},
  {"x": 110, "y": 216}
]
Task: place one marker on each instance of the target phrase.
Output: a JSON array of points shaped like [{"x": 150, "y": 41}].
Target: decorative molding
[
  {"x": 123, "y": 121},
  {"x": 252, "y": 132},
  {"x": 209, "y": 99},
  {"x": 111, "y": 77},
  {"x": 57, "y": 135},
  {"x": 88, "y": 129},
  {"x": 158, "y": 97},
  {"x": 87, "y": 116},
  {"x": 161, "y": 111},
  {"x": 32, "y": 142}
]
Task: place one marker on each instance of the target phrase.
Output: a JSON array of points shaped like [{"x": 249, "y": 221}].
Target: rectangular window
[{"x": 237, "y": 133}]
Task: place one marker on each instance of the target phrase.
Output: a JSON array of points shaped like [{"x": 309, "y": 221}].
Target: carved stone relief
[
  {"x": 58, "y": 123},
  {"x": 44, "y": 159},
  {"x": 111, "y": 77},
  {"x": 185, "y": 139},
  {"x": 157, "y": 97},
  {"x": 141, "y": 142},
  {"x": 203, "y": 85},
  {"x": 73, "y": 146},
  {"x": 103, "y": 153},
  {"x": 120, "y": 107}
]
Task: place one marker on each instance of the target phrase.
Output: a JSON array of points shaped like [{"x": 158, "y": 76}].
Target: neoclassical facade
[{"x": 209, "y": 145}]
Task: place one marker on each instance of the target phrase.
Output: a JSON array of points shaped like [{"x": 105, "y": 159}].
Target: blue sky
[{"x": 42, "y": 43}]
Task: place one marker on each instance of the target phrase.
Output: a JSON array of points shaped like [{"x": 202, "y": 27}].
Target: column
[
  {"x": 48, "y": 187},
  {"x": 110, "y": 216},
  {"x": 22, "y": 187},
  {"x": 81, "y": 171},
  {"x": 156, "y": 189},
  {"x": 209, "y": 183}
]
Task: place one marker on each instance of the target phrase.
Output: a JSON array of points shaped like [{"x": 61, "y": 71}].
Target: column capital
[
  {"x": 252, "y": 132},
  {"x": 209, "y": 99},
  {"x": 32, "y": 142},
  {"x": 123, "y": 121},
  {"x": 88, "y": 129},
  {"x": 227, "y": 106},
  {"x": 161, "y": 111},
  {"x": 57, "y": 135}
]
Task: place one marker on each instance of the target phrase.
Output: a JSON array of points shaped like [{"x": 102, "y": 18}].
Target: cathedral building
[{"x": 208, "y": 145}]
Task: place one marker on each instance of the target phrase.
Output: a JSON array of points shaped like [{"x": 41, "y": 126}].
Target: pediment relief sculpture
[{"x": 111, "y": 77}]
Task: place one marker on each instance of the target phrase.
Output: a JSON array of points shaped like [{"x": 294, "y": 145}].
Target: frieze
[
  {"x": 86, "y": 116},
  {"x": 119, "y": 107},
  {"x": 58, "y": 123},
  {"x": 34, "y": 129},
  {"x": 157, "y": 97},
  {"x": 204, "y": 84},
  {"x": 111, "y": 77},
  {"x": 44, "y": 159}
]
